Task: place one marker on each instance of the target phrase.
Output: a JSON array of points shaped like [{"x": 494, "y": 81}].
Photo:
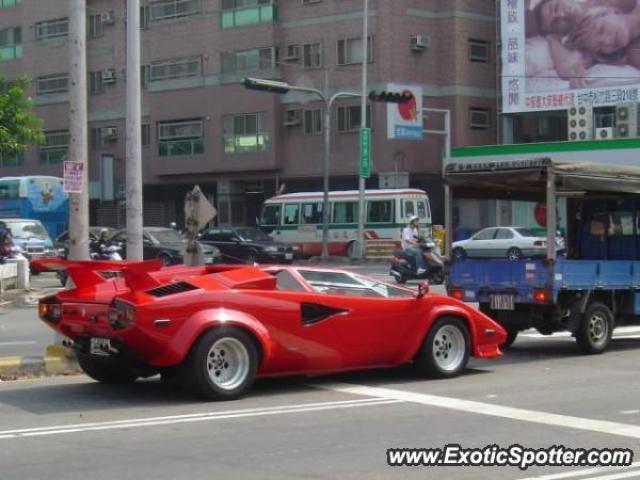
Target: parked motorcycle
[{"x": 403, "y": 265}]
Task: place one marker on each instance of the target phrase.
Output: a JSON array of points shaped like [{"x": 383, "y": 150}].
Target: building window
[
  {"x": 55, "y": 148},
  {"x": 95, "y": 25},
  {"x": 11, "y": 159},
  {"x": 52, "y": 84},
  {"x": 146, "y": 134},
  {"x": 312, "y": 55},
  {"x": 96, "y": 85},
  {"x": 479, "y": 51},
  {"x": 170, "y": 9},
  {"x": 350, "y": 50},
  {"x": 179, "y": 138},
  {"x": 10, "y": 43},
  {"x": 52, "y": 29},
  {"x": 239, "y": 13},
  {"x": 245, "y": 133},
  {"x": 479, "y": 118},
  {"x": 96, "y": 140},
  {"x": 9, "y": 3},
  {"x": 184, "y": 67},
  {"x": 349, "y": 118},
  {"x": 247, "y": 60},
  {"x": 312, "y": 121}
]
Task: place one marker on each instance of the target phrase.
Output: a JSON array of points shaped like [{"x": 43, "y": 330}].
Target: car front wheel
[
  {"x": 445, "y": 351},
  {"x": 222, "y": 365}
]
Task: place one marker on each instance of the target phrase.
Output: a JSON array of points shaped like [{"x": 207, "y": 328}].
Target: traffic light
[
  {"x": 390, "y": 97},
  {"x": 266, "y": 85}
]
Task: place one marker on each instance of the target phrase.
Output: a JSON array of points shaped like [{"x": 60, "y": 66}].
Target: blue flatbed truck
[{"x": 588, "y": 289}]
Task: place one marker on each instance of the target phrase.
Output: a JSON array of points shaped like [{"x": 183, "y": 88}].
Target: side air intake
[{"x": 171, "y": 289}]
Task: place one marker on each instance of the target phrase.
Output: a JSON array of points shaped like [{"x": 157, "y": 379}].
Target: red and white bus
[{"x": 296, "y": 218}]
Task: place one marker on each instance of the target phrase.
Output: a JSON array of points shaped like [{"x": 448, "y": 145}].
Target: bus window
[
  {"x": 345, "y": 212},
  {"x": 423, "y": 210},
  {"x": 10, "y": 189},
  {"x": 409, "y": 209},
  {"x": 380, "y": 211},
  {"x": 271, "y": 215},
  {"x": 311, "y": 213},
  {"x": 291, "y": 213}
]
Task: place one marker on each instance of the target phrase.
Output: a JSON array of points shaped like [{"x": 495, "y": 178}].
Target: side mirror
[{"x": 423, "y": 289}]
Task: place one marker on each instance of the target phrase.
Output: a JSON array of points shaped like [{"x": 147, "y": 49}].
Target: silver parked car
[{"x": 513, "y": 243}]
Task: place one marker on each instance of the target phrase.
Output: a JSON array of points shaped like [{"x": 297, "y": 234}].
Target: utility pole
[
  {"x": 78, "y": 151},
  {"x": 134, "y": 134},
  {"x": 362, "y": 214}
]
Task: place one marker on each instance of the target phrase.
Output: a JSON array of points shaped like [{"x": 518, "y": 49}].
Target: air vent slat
[{"x": 171, "y": 289}]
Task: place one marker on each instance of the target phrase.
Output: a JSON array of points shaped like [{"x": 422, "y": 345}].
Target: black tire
[
  {"x": 111, "y": 374},
  {"x": 434, "y": 352},
  {"x": 165, "y": 259},
  {"x": 512, "y": 335},
  {"x": 514, "y": 253},
  {"x": 459, "y": 253},
  {"x": 197, "y": 371},
  {"x": 595, "y": 329},
  {"x": 437, "y": 277}
]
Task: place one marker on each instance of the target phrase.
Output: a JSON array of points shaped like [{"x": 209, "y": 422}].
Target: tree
[{"x": 19, "y": 126}]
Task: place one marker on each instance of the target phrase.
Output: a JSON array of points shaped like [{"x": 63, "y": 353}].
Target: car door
[
  {"x": 481, "y": 244},
  {"x": 503, "y": 242}
]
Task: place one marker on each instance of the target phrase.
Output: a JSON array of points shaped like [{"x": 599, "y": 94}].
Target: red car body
[{"x": 158, "y": 314}]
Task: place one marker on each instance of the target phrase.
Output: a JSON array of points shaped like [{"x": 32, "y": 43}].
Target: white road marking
[
  {"x": 512, "y": 413},
  {"x": 11, "y": 344},
  {"x": 629, "y": 412},
  {"x": 588, "y": 472},
  {"x": 190, "y": 418}
]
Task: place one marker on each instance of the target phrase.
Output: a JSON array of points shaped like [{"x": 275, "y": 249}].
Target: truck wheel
[
  {"x": 445, "y": 351},
  {"x": 512, "y": 334},
  {"x": 116, "y": 374},
  {"x": 222, "y": 365},
  {"x": 595, "y": 329}
]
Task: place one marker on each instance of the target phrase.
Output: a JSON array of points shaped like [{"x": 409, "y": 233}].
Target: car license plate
[
  {"x": 288, "y": 256},
  {"x": 100, "y": 346},
  {"x": 502, "y": 302}
]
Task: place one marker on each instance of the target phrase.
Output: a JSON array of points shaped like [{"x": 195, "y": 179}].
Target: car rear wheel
[
  {"x": 445, "y": 351},
  {"x": 514, "y": 253},
  {"x": 112, "y": 374},
  {"x": 222, "y": 365},
  {"x": 459, "y": 253},
  {"x": 165, "y": 259},
  {"x": 595, "y": 330}
]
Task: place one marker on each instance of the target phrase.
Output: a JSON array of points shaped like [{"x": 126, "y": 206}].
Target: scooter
[
  {"x": 102, "y": 252},
  {"x": 403, "y": 265}
]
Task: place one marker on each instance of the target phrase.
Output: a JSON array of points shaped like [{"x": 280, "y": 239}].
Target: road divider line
[
  {"x": 12, "y": 344},
  {"x": 587, "y": 473},
  {"x": 492, "y": 410},
  {"x": 190, "y": 418}
]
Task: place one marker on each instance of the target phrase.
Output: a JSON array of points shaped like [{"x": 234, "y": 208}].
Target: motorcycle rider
[
  {"x": 410, "y": 243},
  {"x": 102, "y": 243},
  {"x": 6, "y": 242}
]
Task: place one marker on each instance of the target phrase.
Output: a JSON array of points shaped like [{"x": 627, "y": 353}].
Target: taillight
[
  {"x": 539, "y": 243},
  {"x": 50, "y": 309},
  {"x": 458, "y": 294},
  {"x": 541, "y": 296},
  {"x": 121, "y": 315}
]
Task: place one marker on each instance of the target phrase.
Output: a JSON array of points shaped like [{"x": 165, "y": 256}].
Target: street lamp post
[{"x": 283, "y": 88}]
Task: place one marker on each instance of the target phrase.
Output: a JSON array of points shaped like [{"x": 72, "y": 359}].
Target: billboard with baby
[{"x": 559, "y": 54}]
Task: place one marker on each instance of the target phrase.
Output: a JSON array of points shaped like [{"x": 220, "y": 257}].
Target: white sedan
[{"x": 513, "y": 243}]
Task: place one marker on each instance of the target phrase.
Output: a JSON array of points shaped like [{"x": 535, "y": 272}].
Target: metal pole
[
  {"x": 551, "y": 215},
  {"x": 363, "y": 123},
  {"x": 448, "y": 220},
  {"x": 134, "y": 134},
  {"x": 325, "y": 176},
  {"x": 78, "y": 151}
]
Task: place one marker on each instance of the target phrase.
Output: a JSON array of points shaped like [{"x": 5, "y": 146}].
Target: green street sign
[{"x": 365, "y": 152}]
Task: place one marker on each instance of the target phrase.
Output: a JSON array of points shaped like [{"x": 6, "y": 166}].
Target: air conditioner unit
[
  {"x": 292, "y": 118},
  {"x": 419, "y": 42},
  {"x": 109, "y": 76},
  {"x": 108, "y": 18},
  {"x": 292, "y": 53},
  {"x": 110, "y": 133},
  {"x": 604, "y": 133}
]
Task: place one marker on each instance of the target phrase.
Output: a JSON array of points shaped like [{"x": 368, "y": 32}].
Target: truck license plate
[
  {"x": 502, "y": 302},
  {"x": 100, "y": 346}
]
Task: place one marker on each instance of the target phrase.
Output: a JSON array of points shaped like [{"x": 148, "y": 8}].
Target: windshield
[
  {"x": 27, "y": 230},
  {"x": 253, "y": 234},
  {"x": 166, "y": 236},
  {"x": 525, "y": 232}
]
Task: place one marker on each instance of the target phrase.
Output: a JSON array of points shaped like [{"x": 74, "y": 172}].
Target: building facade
[{"x": 201, "y": 126}]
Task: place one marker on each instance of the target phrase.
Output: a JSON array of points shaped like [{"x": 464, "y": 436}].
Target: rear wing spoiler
[{"x": 137, "y": 275}]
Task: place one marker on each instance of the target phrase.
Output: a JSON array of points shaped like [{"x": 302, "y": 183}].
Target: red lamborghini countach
[{"x": 219, "y": 327}]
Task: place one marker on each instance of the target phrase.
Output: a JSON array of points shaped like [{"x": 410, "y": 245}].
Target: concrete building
[{"x": 201, "y": 126}]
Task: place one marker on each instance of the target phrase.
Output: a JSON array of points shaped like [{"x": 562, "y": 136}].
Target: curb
[{"x": 58, "y": 360}]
